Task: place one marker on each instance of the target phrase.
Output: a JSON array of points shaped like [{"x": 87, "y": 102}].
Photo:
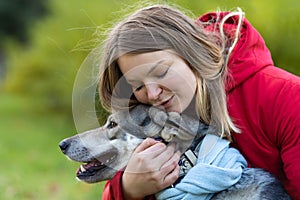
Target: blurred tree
[
  {"x": 46, "y": 69},
  {"x": 16, "y": 16}
]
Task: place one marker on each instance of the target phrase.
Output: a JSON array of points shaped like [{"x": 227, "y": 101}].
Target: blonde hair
[{"x": 161, "y": 27}]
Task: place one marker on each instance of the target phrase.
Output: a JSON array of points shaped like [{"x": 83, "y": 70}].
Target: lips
[
  {"x": 167, "y": 103},
  {"x": 91, "y": 168}
]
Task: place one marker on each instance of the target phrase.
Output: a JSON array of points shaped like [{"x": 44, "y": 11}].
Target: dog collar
[{"x": 189, "y": 158}]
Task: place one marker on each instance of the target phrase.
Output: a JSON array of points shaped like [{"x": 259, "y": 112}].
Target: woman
[{"x": 217, "y": 68}]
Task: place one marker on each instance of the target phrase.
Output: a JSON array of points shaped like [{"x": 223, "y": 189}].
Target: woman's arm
[
  {"x": 288, "y": 135},
  {"x": 152, "y": 167},
  {"x": 113, "y": 189}
]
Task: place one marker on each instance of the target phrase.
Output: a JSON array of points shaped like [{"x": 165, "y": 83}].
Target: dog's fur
[{"x": 107, "y": 149}]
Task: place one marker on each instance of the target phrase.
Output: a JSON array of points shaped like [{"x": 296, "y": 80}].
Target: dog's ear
[
  {"x": 185, "y": 127},
  {"x": 158, "y": 116},
  {"x": 137, "y": 122},
  {"x": 174, "y": 124}
]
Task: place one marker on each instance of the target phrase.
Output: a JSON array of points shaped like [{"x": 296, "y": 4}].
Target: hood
[{"x": 250, "y": 54}]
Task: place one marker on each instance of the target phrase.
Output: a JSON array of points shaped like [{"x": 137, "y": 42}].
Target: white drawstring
[{"x": 239, "y": 13}]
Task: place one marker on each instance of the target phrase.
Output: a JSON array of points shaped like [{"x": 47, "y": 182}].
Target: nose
[
  {"x": 64, "y": 145},
  {"x": 153, "y": 91}
]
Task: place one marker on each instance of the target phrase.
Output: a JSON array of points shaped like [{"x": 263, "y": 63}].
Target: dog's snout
[{"x": 64, "y": 145}]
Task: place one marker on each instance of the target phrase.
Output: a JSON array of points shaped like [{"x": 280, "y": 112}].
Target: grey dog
[{"x": 107, "y": 149}]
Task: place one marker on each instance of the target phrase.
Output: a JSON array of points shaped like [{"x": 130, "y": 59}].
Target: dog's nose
[{"x": 64, "y": 145}]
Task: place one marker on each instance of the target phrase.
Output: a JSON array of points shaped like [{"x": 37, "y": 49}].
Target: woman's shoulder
[
  {"x": 278, "y": 85},
  {"x": 279, "y": 75}
]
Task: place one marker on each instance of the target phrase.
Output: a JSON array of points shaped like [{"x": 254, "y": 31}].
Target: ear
[
  {"x": 158, "y": 116},
  {"x": 183, "y": 127},
  {"x": 138, "y": 122}
]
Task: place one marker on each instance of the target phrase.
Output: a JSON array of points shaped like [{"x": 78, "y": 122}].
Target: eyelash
[
  {"x": 163, "y": 74},
  {"x": 158, "y": 76},
  {"x": 138, "y": 88}
]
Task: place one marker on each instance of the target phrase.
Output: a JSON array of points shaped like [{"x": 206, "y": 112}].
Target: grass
[{"x": 32, "y": 166}]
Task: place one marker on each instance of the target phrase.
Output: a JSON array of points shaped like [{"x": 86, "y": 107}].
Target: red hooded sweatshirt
[{"x": 264, "y": 102}]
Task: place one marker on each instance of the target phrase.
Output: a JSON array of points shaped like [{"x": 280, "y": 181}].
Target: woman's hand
[{"x": 152, "y": 167}]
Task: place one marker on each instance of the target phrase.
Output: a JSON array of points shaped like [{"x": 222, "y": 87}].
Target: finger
[
  {"x": 171, "y": 177},
  {"x": 154, "y": 151},
  {"x": 148, "y": 142},
  {"x": 167, "y": 154},
  {"x": 172, "y": 163}
]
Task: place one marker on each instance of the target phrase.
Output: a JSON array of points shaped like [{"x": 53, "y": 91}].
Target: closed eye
[
  {"x": 111, "y": 125},
  {"x": 139, "y": 88},
  {"x": 162, "y": 74},
  {"x": 136, "y": 85}
]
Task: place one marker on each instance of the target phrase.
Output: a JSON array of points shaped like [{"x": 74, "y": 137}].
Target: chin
[{"x": 174, "y": 109}]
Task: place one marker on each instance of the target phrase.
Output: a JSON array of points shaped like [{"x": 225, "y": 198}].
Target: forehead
[{"x": 144, "y": 61}]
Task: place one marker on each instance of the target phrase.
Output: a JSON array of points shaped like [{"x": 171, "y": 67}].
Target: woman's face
[{"x": 159, "y": 78}]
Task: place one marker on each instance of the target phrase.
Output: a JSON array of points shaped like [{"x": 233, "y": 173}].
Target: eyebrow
[
  {"x": 152, "y": 68},
  {"x": 155, "y": 65}
]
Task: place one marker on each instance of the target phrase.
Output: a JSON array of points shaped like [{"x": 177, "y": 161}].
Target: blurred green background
[{"x": 42, "y": 45}]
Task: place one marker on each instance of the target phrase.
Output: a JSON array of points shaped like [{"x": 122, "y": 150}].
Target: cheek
[
  {"x": 187, "y": 79},
  {"x": 171, "y": 83},
  {"x": 180, "y": 81},
  {"x": 141, "y": 97},
  {"x": 183, "y": 83}
]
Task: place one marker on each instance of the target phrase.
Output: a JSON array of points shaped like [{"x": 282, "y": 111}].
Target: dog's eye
[{"x": 111, "y": 124}]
